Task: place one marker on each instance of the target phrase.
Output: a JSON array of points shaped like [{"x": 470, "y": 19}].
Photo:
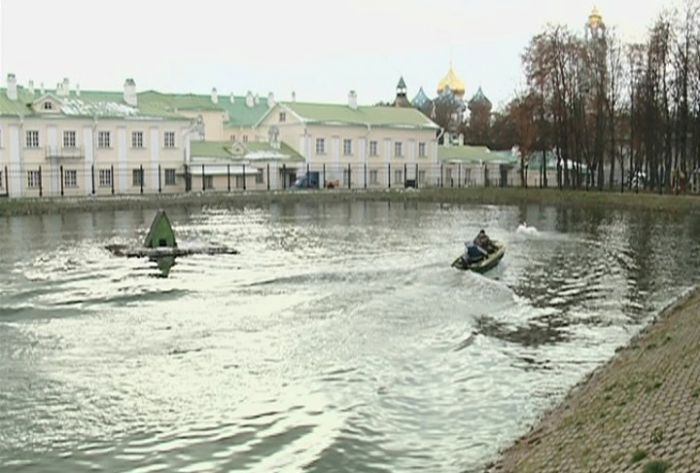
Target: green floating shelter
[{"x": 161, "y": 233}]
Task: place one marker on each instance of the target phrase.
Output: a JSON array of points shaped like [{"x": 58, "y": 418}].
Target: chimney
[
  {"x": 130, "y": 96},
  {"x": 77, "y": 90},
  {"x": 352, "y": 100},
  {"x": 232, "y": 98},
  {"x": 249, "y": 100},
  {"x": 64, "y": 89},
  {"x": 42, "y": 89},
  {"x": 257, "y": 99},
  {"x": 214, "y": 95},
  {"x": 31, "y": 87},
  {"x": 270, "y": 100},
  {"x": 294, "y": 96},
  {"x": 11, "y": 87}
]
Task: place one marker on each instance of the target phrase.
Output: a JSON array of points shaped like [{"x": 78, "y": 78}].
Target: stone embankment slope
[{"x": 638, "y": 413}]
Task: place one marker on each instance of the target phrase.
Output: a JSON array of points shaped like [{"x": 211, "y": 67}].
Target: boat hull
[{"x": 484, "y": 265}]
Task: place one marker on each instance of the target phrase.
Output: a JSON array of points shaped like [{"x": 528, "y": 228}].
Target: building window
[
  {"x": 70, "y": 178},
  {"x": 398, "y": 177},
  {"x": 170, "y": 177},
  {"x": 48, "y": 106},
  {"x": 283, "y": 117},
  {"x": 169, "y": 139},
  {"x": 421, "y": 177},
  {"x": 467, "y": 175},
  {"x": 245, "y": 138},
  {"x": 69, "y": 139},
  {"x": 259, "y": 176},
  {"x": 208, "y": 182},
  {"x": 398, "y": 149},
  {"x": 32, "y": 139},
  {"x": 105, "y": 178},
  {"x": 448, "y": 177},
  {"x": 320, "y": 146},
  {"x": 233, "y": 138},
  {"x": 374, "y": 177},
  {"x": 104, "y": 140},
  {"x": 373, "y": 148},
  {"x": 33, "y": 179},
  {"x": 136, "y": 178},
  {"x": 137, "y": 139},
  {"x": 421, "y": 150},
  {"x": 347, "y": 147}
]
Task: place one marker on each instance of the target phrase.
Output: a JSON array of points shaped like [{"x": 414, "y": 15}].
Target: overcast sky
[{"x": 318, "y": 48}]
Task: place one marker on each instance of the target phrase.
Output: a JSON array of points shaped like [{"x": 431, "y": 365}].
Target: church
[{"x": 448, "y": 108}]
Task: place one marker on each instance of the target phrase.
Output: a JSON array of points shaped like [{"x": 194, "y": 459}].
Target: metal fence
[{"x": 66, "y": 180}]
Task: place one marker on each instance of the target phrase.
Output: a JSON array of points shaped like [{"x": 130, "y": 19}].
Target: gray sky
[{"x": 318, "y": 48}]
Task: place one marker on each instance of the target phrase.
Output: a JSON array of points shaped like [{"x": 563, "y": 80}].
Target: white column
[
  {"x": 121, "y": 153},
  {"x": 155, "y": 158},
  {"x": 89, "y": 159},
  {"x": 15, "y": 168}
]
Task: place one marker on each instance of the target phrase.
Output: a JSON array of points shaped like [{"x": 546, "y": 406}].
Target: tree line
[{"x": 612, "y": 114}]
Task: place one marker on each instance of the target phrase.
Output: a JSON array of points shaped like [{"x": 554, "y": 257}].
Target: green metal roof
[
  {"x": 472, "y": 155},
  {"x": 332, "y": 114},
  {"x": 227, "y": 150}
]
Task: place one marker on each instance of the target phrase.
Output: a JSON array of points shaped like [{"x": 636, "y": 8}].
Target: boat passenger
[
  {"x": 473, "y": 253},
  {"x": 483, "y": 241}
]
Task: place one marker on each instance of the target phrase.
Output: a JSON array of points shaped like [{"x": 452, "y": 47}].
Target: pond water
[{"x": 340, "y": 339}]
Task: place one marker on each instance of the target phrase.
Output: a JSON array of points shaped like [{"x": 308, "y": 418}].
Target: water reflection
[{"x": 164, "y": 264}]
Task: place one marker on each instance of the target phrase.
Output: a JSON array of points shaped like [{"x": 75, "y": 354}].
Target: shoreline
[
  {"x": 474, "y": 195},
  {"x": 637, "y": 412}
]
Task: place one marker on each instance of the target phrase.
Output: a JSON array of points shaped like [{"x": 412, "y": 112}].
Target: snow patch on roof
[{"x": 76, "y": 107}]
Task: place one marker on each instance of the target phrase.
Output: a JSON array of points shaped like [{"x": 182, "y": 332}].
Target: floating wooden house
[{"x": 161, "y": 234}]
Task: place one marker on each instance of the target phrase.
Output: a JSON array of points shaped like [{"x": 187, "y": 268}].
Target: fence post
[
  {"x": 244, "y": 184},
  {"x": 268, "y": 176},
  {"x": 228, "y": 177},
  {"x": 203, "y": 180},
  {"x": 160, "y": 184},
  {"x": 188, "y": 180},
  {"x": 365, "y": 171},
  {"x": 92, "y": 172},
  {"x": 349, "y": 177},
  {"x": 389, "y": 174},
  {"x": 324, "y": 176},
  {"x": 459, "y": 175},
  {"x": 41, "y": 183},
  {"x": 7, "y": 182},
  {"x": 416, "y": 176},
  {"x": 141, "y": 180},
  {"x": 284, "y": 176},
  {"x": 111, "y": 175},
  {"x": 61, "y": 178},
  {"x": 405, "y": 175}
]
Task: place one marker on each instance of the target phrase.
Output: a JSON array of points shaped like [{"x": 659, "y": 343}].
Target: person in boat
[
  {"x": 483, "y": 241},
  {"x": 473, "y": 253}
]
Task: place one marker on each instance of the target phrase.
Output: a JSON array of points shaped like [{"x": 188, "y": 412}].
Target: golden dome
[
  {"x": 595, "y": 18},
  {"x": 453, "y": 82}
]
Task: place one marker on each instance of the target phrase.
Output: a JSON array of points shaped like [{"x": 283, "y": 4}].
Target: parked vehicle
[{"x": 310, "y": 180}]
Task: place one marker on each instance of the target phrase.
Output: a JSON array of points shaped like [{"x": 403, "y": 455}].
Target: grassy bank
[{"x": 492, "y": 195}]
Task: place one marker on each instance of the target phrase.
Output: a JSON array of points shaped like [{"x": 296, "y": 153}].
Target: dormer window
[
  {"x": 283, "y": 117},
  {"x": 48, "y": 105}
]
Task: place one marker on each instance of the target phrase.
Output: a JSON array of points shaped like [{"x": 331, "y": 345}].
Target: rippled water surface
[{"x": 338, "y": 340}]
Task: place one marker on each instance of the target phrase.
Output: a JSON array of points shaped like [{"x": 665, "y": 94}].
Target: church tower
[
  {"x": 595, "y": 27},
  {"x": 401, "y": 99}
]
